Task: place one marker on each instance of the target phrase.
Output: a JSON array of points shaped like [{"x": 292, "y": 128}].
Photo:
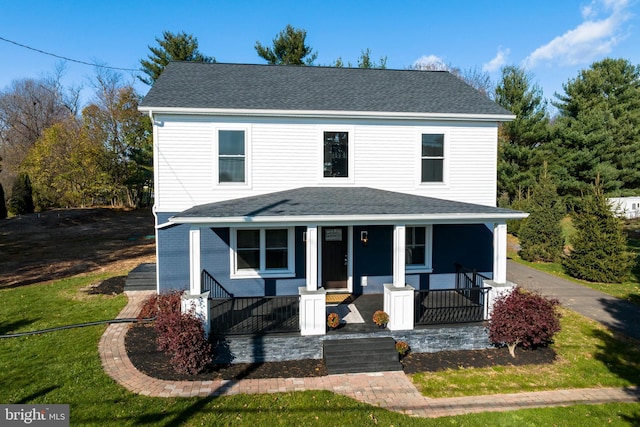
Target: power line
[{"x": 65, "y": 58}]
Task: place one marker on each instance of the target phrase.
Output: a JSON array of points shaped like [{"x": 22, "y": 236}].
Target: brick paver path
[{"x": 390, "y": 390}]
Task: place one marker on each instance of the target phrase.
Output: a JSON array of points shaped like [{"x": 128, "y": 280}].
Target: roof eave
[
  {"x": 326, "y": 114},
  {"x": 445, "y": 218}
]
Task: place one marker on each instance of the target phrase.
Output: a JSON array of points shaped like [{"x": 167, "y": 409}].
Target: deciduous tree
[
  {"x": 474, "y": 77},
  {"x": 289, "y": 48},
  {"x": 113, "y": 120},
  {"x": 68, "y": 168},
  {"x": 27, "y": 108}
]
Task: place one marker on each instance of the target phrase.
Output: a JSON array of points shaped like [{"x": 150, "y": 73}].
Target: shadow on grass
[
  {"x": 195, "y": 409},
  {"x": 633, "y": 420},
  {"x": 10, "y": 327},
  {"x": 621, "y": 355},
  {"x": 37, "y": 394},
  {"x": 240, "y": 411}
]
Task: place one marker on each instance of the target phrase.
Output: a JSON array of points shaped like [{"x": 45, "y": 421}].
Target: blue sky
[{"x": 553, "y": 39}]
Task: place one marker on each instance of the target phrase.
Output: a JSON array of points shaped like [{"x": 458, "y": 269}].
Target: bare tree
[
  {"x": 474, "y": 77},
  {"x": 27, "y": 108}
]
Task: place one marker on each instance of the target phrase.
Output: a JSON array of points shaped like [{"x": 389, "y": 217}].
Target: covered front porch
[{"x": 285, "y": 252}]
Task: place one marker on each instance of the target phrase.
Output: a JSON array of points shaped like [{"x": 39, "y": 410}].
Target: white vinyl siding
[{"x": 283, "y": 154}]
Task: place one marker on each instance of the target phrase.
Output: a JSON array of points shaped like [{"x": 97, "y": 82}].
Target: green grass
[
  {"x": 588, "y": 355},
  {"x": 64, "y": 367}
]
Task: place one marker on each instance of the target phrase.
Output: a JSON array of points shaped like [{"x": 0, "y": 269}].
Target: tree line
[
  {"x": 572, "y": 162},
  {"x": 62, "y": 155}
]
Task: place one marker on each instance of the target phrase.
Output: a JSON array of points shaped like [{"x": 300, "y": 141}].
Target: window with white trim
[
  {"x": 262, "y": 252},
  {"x": 232, "y": 162},
  {"x": 418, "y": 248},
  {"x": 336, "y": 154},
  {"x": 432, "y": 157}
]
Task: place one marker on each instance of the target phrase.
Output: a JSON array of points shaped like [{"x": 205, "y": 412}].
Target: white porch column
[
  {"x": 312, "y": 258},
  {"x": 500, "y": 253},
  {"x": 199, "y": 306},
  {"x": 313, "y": 311},
  {"x": 398, "y": 304},
  {"x": 399, "y": 254},
  {"x": 194, "y": 261},
  {"x": 497, "y": 290}
]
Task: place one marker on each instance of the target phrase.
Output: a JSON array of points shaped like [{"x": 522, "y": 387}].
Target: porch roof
[{"x": 344, "y": 205}]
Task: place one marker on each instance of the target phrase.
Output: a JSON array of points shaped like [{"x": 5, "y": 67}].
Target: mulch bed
[{"x": 142, "y": 350}]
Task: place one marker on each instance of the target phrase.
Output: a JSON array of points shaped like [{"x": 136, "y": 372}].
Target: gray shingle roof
[
  {"x": 309, "y": 88},
  {"x": 337, "y": 203}
]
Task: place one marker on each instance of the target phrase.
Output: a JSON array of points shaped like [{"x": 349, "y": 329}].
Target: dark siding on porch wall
[
  {"x": 375, "y": 259},
  {"x": 301, "y": 253},
  {"x": 173, "y": 255},
  {"x": 214, "y": 247},
  {"x": 470, "y": 245}
]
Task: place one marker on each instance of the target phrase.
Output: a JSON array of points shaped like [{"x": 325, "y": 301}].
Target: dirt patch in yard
[{"x": 61, "y": 243}]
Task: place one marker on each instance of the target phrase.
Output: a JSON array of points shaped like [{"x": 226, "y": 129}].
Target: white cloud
[
  {"x": 591, "y": 39},
  {"x": 430, "y": 62},
  {"x": 498, "y": 61}
]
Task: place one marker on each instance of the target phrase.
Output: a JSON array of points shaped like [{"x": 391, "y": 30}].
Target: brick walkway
[{"x": 390, "y": 390}]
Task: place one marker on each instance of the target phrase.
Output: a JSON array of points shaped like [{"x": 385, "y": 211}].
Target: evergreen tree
[
  {"x": 365, "y": 61},
  {"x": 3, "y": 206},
  {"x": 172, "y": 47},
  {"x": 289, "y": 48},
  {"x": 21, "y": 201},
  {"x": 599, "y": 245},
  {"x": 597, "y": 132},
  {"x": 521, "y": 140},
  {"x": 540, "y": 234}
]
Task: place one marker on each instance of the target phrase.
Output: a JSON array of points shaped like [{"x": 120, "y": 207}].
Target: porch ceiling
[{"x": 344, "y": 205}]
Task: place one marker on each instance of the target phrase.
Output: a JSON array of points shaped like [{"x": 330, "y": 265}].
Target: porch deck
[{"x": 267, "y": 315}]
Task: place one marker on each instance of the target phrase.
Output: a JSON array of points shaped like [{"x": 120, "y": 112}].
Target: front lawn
[
  {"x": 64, "y": 367},
  {"x": 588, "y": 355}
]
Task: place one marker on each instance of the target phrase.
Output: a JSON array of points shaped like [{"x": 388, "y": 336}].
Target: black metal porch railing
[
  {"x": 440, "y": 306},
  {"x": 255, "y": 315},
  {"x": 467, "y": 278},
  {"x": 210, "y": 284}
]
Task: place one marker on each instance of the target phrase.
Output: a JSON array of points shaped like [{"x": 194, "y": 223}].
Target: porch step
[
  {"x": 141, "y": 278},
  {"x": 361, "y": 355}
]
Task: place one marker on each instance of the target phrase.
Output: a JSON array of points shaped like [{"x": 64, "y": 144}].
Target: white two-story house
[{"x": 299, "y": 180}]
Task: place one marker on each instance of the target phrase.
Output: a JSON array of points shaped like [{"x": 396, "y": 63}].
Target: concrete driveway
[{"x": 616, "y": 314}]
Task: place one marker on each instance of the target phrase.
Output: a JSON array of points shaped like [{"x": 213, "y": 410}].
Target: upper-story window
[
  {"x": 336, "y": 154},
  {"x": 432, "y": 157},
  {"x": 231, "y": 156}
]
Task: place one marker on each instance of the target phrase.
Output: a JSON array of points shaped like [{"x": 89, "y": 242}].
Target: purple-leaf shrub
[
  {"x": 524, "y": 318},
  {"x": 181, "y": 335},
  {"x": 191, "y": 351}
]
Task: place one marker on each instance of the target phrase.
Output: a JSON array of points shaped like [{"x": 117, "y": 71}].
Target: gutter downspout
[{"x": 154, "y": 207}]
